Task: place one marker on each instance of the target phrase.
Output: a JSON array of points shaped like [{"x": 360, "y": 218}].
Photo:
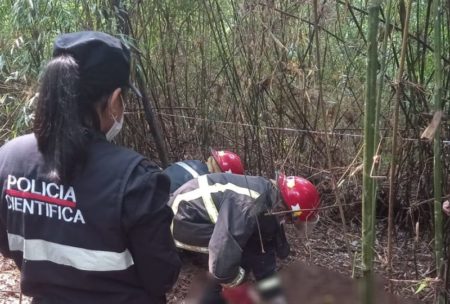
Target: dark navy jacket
[
  {"x": 103, "y": 238},
  {"x": 183, "y": 171}
]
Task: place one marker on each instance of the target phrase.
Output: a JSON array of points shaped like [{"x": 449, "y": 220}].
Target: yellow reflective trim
[
  {"x": 187, "y": 196},
  {"x": 204, "y": 191},
  {"x": 207, "y": 199}
]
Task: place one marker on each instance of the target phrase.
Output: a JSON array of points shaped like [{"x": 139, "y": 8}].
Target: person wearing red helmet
[
  {"x": 238, "y": 221},
  {"x": 219, "y": 161},
  {"x": 226, "y": 161}
]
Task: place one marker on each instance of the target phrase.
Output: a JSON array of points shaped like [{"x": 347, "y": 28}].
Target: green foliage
[
  {"x": 248, "y": 63},
  {"x": 422, "y": 285},
  {"x": 243, "y": 75}
]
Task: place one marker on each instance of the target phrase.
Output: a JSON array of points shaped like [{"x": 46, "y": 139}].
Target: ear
[{"x": 115, "y": 105}]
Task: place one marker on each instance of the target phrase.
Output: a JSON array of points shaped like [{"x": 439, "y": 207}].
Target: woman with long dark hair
[{"x": 85, "y": 220}]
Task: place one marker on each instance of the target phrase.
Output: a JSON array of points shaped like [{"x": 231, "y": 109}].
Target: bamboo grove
[{"x": 338, "y": 91}]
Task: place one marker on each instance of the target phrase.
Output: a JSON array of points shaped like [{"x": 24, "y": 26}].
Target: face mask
[{"x": 115, "y": 128}]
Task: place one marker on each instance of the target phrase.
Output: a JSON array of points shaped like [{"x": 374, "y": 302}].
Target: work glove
[{"x": 213, "y": 291}]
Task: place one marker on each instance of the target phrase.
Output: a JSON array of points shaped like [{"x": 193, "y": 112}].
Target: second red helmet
[
  {"x": 228, "y": 162},
  {"x": 299, "y": 195}
]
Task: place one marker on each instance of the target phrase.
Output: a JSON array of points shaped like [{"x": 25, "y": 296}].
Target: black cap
[{"x": 102, "y": 58}]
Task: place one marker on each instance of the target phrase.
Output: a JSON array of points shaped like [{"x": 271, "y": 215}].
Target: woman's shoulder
[{"x": 105, "y": 149}]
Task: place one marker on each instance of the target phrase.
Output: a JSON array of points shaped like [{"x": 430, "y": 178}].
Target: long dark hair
[{"x": 65, "y": 111}]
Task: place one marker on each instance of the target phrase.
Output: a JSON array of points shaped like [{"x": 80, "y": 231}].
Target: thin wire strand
[{"x": 316, "y": 132}]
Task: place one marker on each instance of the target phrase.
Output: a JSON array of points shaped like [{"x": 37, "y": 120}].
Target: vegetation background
[{"x": 282, "y": 83}]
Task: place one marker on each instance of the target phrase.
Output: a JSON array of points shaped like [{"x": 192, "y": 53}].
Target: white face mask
[{"x": 115, "y": 128}]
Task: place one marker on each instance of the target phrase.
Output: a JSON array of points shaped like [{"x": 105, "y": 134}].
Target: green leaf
[{"x": 422, "y": 286}]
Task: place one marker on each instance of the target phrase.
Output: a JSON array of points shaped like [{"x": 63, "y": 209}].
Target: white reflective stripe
[
  {"x": 232, "y": 187},
  {"x": 188, "y": 169},
  {"x": 191, "y": 247},
  {"x": 79, "y": 258},
  {"x": 207, "y": 199},
  {"x": 175, "y": 204},
  {"x": 188, "y": 196},
  {"x": 198, "y": 193}
]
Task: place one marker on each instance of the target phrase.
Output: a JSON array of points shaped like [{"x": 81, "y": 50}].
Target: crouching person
[{"x": 238, "y": 220}]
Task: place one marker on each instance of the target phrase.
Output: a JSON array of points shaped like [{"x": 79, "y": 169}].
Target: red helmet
[
  {"x": 228, "y": 161},
  {"x": 299, "y": 193}
]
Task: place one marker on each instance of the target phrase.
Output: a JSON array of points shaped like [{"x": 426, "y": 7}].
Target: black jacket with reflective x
[{"x": 220, "y": 213}]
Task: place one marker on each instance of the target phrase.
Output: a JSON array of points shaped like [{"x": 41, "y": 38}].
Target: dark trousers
[{"x": 261, "y": 264}]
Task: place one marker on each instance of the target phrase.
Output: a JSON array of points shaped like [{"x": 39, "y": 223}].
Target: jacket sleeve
[
  {"x": 233, "y": 228},
  {"x": 146, "y": 219}
]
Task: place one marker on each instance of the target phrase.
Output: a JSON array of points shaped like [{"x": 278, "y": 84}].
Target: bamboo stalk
[
  {"x": 380, "y": 91},
  {"x": 368, "y": 202},
  {"x": 325, "y": 125},
  {"x": 368, "y": 198},
  {"x": 392, "y": 172},
  {"x": 383, "y": 68},
  {"x": 437, "y": 162},
  {"x": 151, "y": 118}
]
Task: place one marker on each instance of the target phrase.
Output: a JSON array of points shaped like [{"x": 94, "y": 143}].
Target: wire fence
[{"x": 282, "y": 129}]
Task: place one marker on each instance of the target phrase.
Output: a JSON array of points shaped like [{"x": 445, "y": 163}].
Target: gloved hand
[{"x": 240, "y": 294}]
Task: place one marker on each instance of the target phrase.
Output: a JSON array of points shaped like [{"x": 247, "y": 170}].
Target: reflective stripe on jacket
[
  {"x": 183, "y": 171},
  {"x": 217, "y": 214}
]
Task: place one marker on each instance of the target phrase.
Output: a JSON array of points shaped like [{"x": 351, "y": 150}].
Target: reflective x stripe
[
  {"x": 204, "y": 191},
  {"x": 79, "y": 258},
  {"x": 188, "y": 169},
  {"x": 197, "y": 193},
  {"x": 207, "y": 199}
]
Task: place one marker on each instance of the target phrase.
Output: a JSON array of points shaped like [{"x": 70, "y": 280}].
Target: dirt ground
[{"x": 413, "y": 265}]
